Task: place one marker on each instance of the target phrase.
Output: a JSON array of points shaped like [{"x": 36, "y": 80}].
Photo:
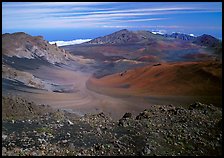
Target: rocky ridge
[
  {"x": 181, "y": 36},
  {"x": 125, "y": 37},
  {"x": 143, "y": 37},
  {"x": 22, "y": 76},
  {"x": 23, "y": 45},
  {"x": 160, "y": 130}
]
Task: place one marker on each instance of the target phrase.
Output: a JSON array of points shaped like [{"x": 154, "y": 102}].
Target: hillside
[
  {"x": 145, "y": 46},
  {"x": 22, "y": 45},
  {"x": 165, "y": 130},
  {"x": 69, "y": 101},
  {"x": 128, "y": 37},
  {"x": 182, "y": 78},
  {"x": 143, "y": 37},
  {"x": 23, "y": 55}
]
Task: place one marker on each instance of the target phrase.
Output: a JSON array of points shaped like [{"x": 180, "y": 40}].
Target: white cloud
[
  {"x": 192, "y": 34},
  {"x": 143, "y": 26},
  {"x": 54, "y": 4},
  {"x": 64, "y": 43},
  {"x": 161, "y": 32}
]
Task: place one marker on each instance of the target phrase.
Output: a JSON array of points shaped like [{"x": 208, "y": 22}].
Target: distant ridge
[
  {"x": 125, "y": 36},
  {"x": 181, "y": 36},
  {"x": 119, "y": 37},
  {"x": 207, "y": 40}
]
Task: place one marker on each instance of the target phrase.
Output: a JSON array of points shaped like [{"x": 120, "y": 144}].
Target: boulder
[
  {"x": 127, "y": 115},
  {"x": 145, "y": 114},
  {"x": 196, "y": 105}
]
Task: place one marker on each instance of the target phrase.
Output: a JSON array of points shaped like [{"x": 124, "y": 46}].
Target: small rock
[
  {"x": 50, "y": 135},
  {"x": 71, "y": 146},
  {"x": 64, "y": 141},
  {"x": 4, "y": 150},
  {"x": 33, "y": 153},
  {"x": 146, "y": 150},
  {"x": 79, "y": 154},
  {"x": 98, "y": 147},
  {"x": 99, "y": 130},
  {"x": 69, "y": 122},
  {"x": 196, "y": 105},
  {"x": 127, "y": 115},
  {"x": 123, "y": 123},
  {"x": 107, "y": 145},
  {"x": 101, "y": 115},
  {"x": 41, "y": 140},
  {"x": 4, "y": 136},
  {"x": 145, "y": 114}
]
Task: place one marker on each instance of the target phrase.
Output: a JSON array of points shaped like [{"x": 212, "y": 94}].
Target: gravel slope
[{"x": 159, "y": 130}]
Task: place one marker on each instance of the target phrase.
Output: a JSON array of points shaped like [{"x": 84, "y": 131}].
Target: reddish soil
[{"x": 179, "y": 79}]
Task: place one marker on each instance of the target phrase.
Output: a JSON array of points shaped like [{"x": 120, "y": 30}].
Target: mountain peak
[
  {"x": 23, "y": 45},
  {"x": 206, "y": 35},
  {"x": 19, "y": 33},
  {"x": 207, "y": 40},
  {"x": 123, "y": 30},
  {"x": 15, "y": 34},
  {"x": 120, "y": 37},
  {"x": 125, "y": 36}
]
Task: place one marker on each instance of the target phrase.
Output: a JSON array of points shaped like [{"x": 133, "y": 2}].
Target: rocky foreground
[{"x": 35, "y": 130}]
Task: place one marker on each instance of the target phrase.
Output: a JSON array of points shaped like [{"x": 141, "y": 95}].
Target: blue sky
[{"x": 82, "y": 20}]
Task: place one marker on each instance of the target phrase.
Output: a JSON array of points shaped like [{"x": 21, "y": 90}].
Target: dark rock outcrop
[{"x": 127, "y": 115}]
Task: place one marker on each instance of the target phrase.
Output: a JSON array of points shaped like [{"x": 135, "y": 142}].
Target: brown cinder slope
[{"x": 180, "y": 79}]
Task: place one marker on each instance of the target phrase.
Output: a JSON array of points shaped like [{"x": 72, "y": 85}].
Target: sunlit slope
[{"x": 183, "y": 78}]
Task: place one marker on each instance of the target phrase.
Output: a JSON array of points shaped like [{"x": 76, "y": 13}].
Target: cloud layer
[
  {"x": 98, "y": 14},
  {"x": 64, "y": 43}
]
